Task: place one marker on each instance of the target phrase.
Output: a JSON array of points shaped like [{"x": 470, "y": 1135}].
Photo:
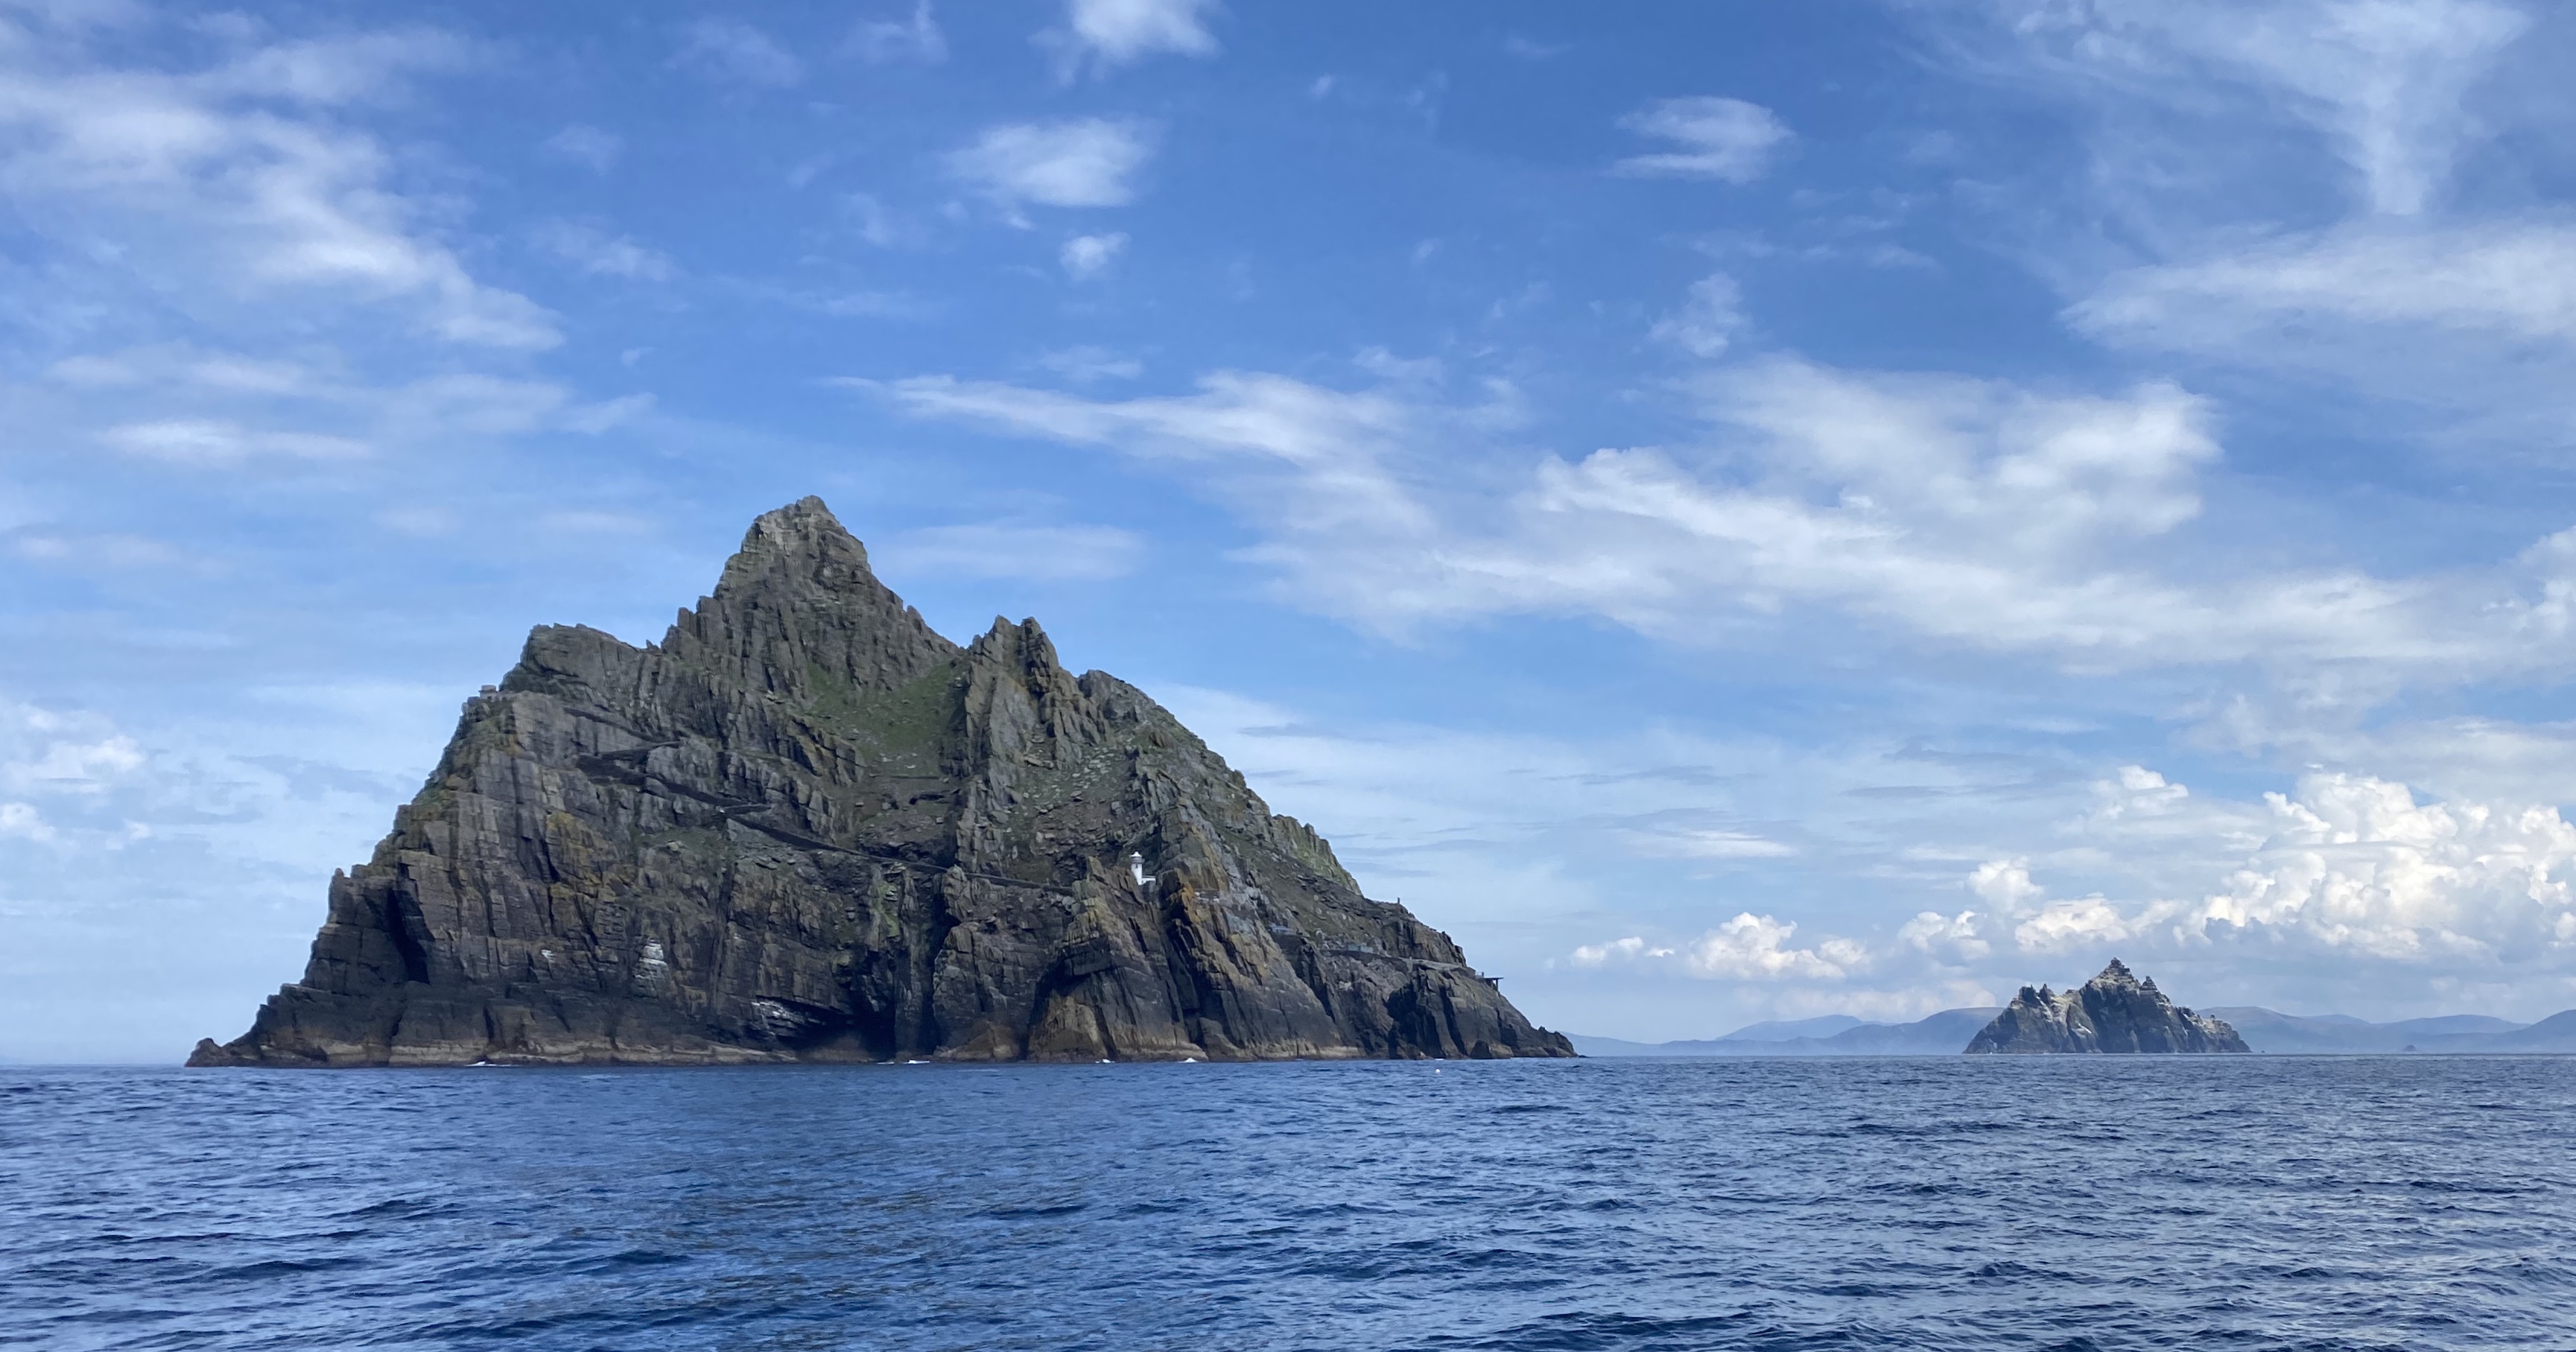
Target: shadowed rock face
[
  {"x": 806, "y": 827},
  {"x": 2113, "y": 1012}
]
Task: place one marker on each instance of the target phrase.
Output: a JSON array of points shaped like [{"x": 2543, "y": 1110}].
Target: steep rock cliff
[
  {"x": 2113, "y": 1012},
  {"x": 807, "y": 827}
]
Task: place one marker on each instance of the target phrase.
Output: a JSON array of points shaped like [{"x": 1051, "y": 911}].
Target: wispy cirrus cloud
[
  {"x": 2402, "y": 291},
  {"x": 1720, "y": 138},
  {"x": 1967, "y": 511},
  {"x": 1033, "y": 551},
  {"x": 596, "y": 149},
  {"x": 916, "y": 38},
  {"x": 598, "y": 253},
  {"x": 2383, "y": 82},
  {"x": 732, "y": 50},
  {"x": 240, "y": 170}
]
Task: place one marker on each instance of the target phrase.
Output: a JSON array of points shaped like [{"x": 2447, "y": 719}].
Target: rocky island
[
  {"x": 806, "y": 827},
  {"x": 2113, "y": 1012}
]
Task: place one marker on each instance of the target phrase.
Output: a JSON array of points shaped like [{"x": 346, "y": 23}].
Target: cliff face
[
  {"x": 806, "y": 827},
  {"x": 2113, "y": 1012}
]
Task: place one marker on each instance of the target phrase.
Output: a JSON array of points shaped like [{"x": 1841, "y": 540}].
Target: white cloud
[
  {"x": 1089, "y": 162},
  {"x": 588, "y": 146},
  {"x": 210, "y": 442},
  {"x": 1747, "y": 948},
  {"x": 1952, "y": 940},
  {"x": 22, "y": 821},
  {"x": 205, "y": 175},
  {"x": 2084, "y": 924},
  {"x": 1705, "y": 843},
  {"x": 600, "y": 254},
  {"x": 1009, "y": 549},
  {"x": 1755, "y": 947},
  {"x": 1961, "y": 512},
  {"x": 732, "y": 50},
  {"x": 2384, "y": 81},
  {"x": 1311, "y": 460},
  {"x": 1088, "y": 256},
  {"x": 2346, "y": 867},
  {"x": 1084, "y": 364},
  {"x": 2356, "y": 864},
  {"x": 1709, "y": 319},
  {"x": 1722, "y": 138},
  {"x": 607, "y": 414},
  {"x": 1628, "y": 950},
  {"x": 2366, "y": 298},
  {"x": 1120, "y": 32},
  {"x": 53, "y": 754},
  {"x": 2004, "y": 884},
  {"x": 916, "y": 38}
]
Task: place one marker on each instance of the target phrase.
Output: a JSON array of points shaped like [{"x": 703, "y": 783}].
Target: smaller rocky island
[{"x": 2114, "y": 1012}]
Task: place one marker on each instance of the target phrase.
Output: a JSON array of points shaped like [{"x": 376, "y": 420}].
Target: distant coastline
[{"x": 2265, "y": 1030}]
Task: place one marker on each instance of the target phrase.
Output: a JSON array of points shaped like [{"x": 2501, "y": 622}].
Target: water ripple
[{"x": 2114, "y": 1204}]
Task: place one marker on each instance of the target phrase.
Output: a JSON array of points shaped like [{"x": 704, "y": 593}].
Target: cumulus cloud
[
  {"x": 1107, "y": 33},
  {"x": 2085, "y": 924},
  {"x": 1953, "y": 940},
  {"x": 1747, "y": 948},
  {"x": 2348, "y": 866},
  {"x": 1720, "y": 138},
  {"x": 2356, "y": 864},
  {"x": 50, "y": 753},
  {"x": 23, "y": 821},
  {"x": 1087, "y": 256},
  {"x": 1087, "y": 162}
]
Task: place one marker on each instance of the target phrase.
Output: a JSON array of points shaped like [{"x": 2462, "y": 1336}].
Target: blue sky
[{"x": 1732, "y": 511}]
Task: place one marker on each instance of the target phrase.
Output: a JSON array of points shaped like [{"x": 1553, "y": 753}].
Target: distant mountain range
[
  {"x": 1948, "y": 1032},
  {"x": 2266, "y": 1031},
  {"x": 1943, "y": 1034}
]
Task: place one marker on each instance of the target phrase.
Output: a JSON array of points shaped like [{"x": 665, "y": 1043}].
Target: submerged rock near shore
[
  {"x": 807, "y": 827},
  {"x": 2113, "y": 1012}
]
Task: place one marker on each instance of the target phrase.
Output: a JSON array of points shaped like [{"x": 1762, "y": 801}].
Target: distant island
[
  {"x": 2115, "y": 1012},
  {"x": 807, "y": 827},
  {"x": 2263, "y": 1030}
]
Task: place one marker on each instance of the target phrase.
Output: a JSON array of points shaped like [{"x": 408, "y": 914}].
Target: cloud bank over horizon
[{"x": 1732, "y": 515}]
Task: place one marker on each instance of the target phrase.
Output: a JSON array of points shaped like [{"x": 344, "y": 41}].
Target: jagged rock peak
[
  {"x": 798, "y": 603},
  {"x": 2114, "y": 1012},
  {"x": 807, "y": 827}
]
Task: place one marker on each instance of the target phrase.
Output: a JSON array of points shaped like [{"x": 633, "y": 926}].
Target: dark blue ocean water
[{"x": 2256, "y": 1202}]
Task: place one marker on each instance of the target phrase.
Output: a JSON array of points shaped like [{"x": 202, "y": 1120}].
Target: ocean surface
[{"x": 2076, "y": 1203}]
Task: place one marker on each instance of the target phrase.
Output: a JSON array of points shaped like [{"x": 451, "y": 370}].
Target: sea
[{"x": 2247, "y": 1202}]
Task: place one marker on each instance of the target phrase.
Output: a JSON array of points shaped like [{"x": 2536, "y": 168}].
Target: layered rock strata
[
  {"x": 2113, "y": 1012},
  {"x": 807, "y": 827}
]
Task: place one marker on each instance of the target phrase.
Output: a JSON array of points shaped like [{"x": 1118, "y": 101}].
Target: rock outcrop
[
  {"x": 807, "y": 827},
  {"x": 2113, "y": 1012}
]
